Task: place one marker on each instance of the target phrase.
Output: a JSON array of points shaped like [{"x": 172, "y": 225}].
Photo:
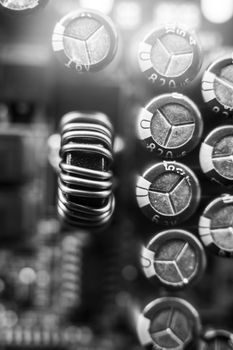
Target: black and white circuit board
[{"x": 116, "y": 174}]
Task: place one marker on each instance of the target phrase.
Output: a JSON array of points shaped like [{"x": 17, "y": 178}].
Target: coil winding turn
[{"x": 85, "y": 196}]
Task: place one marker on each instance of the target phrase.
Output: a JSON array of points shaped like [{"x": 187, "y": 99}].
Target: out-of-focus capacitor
[
  {"x": 170, "y": 56},
  {"x": 85, "y": 40},
  {"x": 168, "y": 193},
  {"x": 170, "y": 125},
  {"x": 174, "y": 257},
  {"x": 216, "y": 226},
  {"x": 216, "y": 155},
  {"x": 217, "y": 86},
  {"x": 17, "y": 155},
  {"x": 218, "y": 339},
  {"x": 22, "y": 6},
  {"x": 168, "y": 323}
]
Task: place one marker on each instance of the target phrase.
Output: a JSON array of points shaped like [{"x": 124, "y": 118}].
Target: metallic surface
[
  {"x": 176, "y": 118},
  {"x": 216, "y": 155},
  {"x": 217, "y": 86},
  {"x": 22, "y": 6},
  {"x": 218, "y": 339},
  {"x": 223, "y": 157},
  {"x": 85, "y": 40},
  {"x": 170, "y": 56},
  {"x": 216, "y": 226},
  {"x": 168, "y": 323},
  {"x": 19, "y": 5},
  {"x": 168, "y": 193},
  {"x": 165, "y": 194},
  {"x": 174, "y": 257},
  {"x": 224, "y": 86},
  {"x": 170, "y": 125}
]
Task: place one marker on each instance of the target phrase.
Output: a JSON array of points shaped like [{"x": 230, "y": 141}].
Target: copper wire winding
[{"x": 85, "y": 196}]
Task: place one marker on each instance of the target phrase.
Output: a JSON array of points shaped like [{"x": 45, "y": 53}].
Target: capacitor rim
[
  {"x": 59, "y": 32},
  {"x": 153, "y": 307},
  {"x": 177, "y": 234},
  {"x": 163, "y": 100},
  {"x": 159, "y": 169},
  {"x": 41, "y": 4},
  {"x": 189, "y": 74},
  {"x": 205, "y": 229},
  {"x": 208, "y": 94},
  {"x": 206, "y": 150}
]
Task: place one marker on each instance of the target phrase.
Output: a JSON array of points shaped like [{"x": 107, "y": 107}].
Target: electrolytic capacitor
[
  {"x": 217, "y": 86},
  {"x": 170, "y": 125},
  {"x": 218, "y": 339},
  {"x": 168, "y": 193},
  {"x": 170, "y": 56},
  {"x": 216, "y": 155},
  {"x": 174, "y": 257},
  {"x": 85, "y": 40},
  {"x": 22, "y": 6},
  {"x": 168, "y": 324},
  {"x": 216, "y": 226}
]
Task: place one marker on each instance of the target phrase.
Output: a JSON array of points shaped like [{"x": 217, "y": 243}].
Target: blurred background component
[
  {"x": 22, "y": 6},
  {"x": 85, "y": 40},
  {"x": 217, "y": 86}
]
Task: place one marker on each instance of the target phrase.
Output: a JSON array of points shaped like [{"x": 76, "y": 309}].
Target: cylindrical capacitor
[
  {"x": 168, "y": 193},
  {"x": 22, "y": 6},
  {"x": 218, "y": 339},
  {"x": 216, "y": 226},
  {"x": 174, "y": 257},
  {"x": 170, "y": 125},
  {"x": 168, "y": 324},
  {"x": 216, "y": 155},
  {"x": 170, "y": 56},
  {"x": 217, "y": 86},
  {"x": 85, "y": 40}
]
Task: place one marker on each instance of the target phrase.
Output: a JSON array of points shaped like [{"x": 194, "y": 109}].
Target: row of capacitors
[
  {"x": 168, "y": 193},
  {"x": 171, "y": 126}
]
